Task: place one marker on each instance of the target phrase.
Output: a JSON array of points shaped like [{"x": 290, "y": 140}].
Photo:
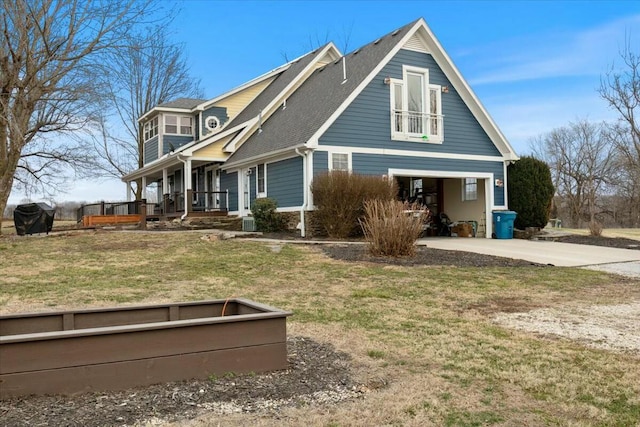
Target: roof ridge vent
[
  {"x": 355, "y": 52},
  {"x": 377, "y": 41},
  {"x": 395, "y": 32}
]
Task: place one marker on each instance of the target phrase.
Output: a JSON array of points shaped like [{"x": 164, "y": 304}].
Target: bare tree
[
  {"x": 620, "y": 87},
  {"x": 50, "y": 55},
  {"x": 582, "y": 161},
  {"x": 148, "y": 71}
]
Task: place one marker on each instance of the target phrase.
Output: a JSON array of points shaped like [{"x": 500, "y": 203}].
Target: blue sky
[{"x": 535, "y": 65}]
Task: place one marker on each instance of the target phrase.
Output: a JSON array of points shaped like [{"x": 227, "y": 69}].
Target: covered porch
[{"x": 177, "y": 186}]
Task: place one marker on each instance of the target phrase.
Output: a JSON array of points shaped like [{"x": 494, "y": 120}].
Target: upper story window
[
  {"x": 178, "y": 125},
  {"x": 151, "y": 128},
  {"x": 416, "y": 107}
]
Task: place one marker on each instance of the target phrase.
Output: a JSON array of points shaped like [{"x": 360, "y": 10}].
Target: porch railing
[
  {"x": 196, "y": 201},
  {"x": 109, "y": 208}
]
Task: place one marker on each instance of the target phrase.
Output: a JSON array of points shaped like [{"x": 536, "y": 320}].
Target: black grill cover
[{"x": 33, "y": 218}]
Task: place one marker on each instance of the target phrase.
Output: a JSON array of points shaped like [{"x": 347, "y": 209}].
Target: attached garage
[{"x": 462, "y": 196}]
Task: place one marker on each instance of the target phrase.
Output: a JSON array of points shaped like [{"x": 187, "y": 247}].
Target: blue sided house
[{"x": 396, "y": 107}]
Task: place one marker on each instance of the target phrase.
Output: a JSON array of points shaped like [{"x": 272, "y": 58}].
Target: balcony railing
[{"x": 413, "y": 123}]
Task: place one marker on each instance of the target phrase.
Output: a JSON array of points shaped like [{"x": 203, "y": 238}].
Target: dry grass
[
  {"x": 628, "y": 233},
  {"x": 421, "y": 338}
]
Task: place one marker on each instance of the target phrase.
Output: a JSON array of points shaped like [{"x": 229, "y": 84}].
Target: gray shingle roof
[
  {"x": 273, "y": 90},
  {"x": 309, "y": 107},
  {"x": 185, "y": 103}
]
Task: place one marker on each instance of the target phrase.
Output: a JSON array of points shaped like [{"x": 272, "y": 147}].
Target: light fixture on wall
[
  {"x": 499, "y": 183},
  {"x": 445, "y": 89},
  {"x": 387, "y": 80}
]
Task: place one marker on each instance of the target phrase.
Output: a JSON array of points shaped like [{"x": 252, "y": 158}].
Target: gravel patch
[{"x": 607, "y": 327}]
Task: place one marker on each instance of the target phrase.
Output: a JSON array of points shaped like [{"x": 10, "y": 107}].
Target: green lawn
[{"x": 425, "y": 331}]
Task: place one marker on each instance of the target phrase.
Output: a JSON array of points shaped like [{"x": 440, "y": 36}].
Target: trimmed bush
[
  {"x": 340, "y": 196},
  {"x": 389, "y": 229},
  {"x": 265, "y": 215},
  {"x": 530, "y": 191}
]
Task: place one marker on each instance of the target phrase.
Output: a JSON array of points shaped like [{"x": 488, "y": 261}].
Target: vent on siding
[
  {"x": 414, "y": 43},
  {"x": 248, "y": 223}
]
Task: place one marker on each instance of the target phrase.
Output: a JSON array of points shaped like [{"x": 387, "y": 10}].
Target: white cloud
[{"x": 552, "y": 55}]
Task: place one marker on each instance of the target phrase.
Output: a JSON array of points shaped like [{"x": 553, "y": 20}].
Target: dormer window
[
  {"x": 151, "y": 128},
  {"x": 416, "y": 107},
  {"x": 178, "y": 125}
]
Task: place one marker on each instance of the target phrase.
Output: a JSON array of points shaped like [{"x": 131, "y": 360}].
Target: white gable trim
[
  {"x": 275, "y": 103},
  {"x": 464, "y": 90},
  {"x": 421, "y": 31},
  {"x": 410, "y": 153}
]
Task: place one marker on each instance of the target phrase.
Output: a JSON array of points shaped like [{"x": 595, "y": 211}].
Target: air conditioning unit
[{"x": 248, "y": 223}]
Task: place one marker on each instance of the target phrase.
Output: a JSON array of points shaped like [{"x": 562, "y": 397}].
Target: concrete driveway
[{"x": 540, "y": 251}]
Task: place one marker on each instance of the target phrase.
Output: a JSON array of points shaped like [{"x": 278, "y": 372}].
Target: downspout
[
  {"x": 305, "y": 198},
  {"x": 184, "y": 184}
]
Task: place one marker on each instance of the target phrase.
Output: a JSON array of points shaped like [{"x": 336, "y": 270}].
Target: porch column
[
  {"x": 128, "y": 186},
  {"x": 165, "y": 181},
  {"x": 187, "y": 176},
  {"x": 144, "y": 187}
]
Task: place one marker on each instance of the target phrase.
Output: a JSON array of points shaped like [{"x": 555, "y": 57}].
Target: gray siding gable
[
  {"x": 366, "y": 122},
  {"x": 219, "y": 112}
]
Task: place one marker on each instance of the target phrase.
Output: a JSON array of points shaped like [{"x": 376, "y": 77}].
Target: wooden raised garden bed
[{"x": 116, "y": 348}]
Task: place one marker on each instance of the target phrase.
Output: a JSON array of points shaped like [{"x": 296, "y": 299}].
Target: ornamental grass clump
[
  {"x": 391, "y": 228},
  {"x": 340, "y": 197}
]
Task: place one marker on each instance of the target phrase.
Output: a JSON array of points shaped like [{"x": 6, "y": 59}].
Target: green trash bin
[{"x": 503, "y": 224}]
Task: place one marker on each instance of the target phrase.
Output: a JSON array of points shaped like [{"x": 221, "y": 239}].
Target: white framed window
[
  {"x": 178, "y": 125},
  {"x": 260, "y": 180},
  {"x": 151, "y": 128},
  {"x": 469, "y": 189},
  {"x": 212, "y": 123},
  {"x": 340, "y": 161},
  {"x": 416, "y": 107}
]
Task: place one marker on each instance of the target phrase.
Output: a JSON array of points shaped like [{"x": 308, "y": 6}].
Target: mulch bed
[
  {"x": 610, "y": 242},
  {"x": 317, "y": 374}
]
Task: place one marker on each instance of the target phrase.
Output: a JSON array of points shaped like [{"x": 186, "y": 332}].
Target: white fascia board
[
  {"x": 155, "y": 166},
  {"x": 230, "y": 146},
  {"x": 272, "y": 157},
  {"x": 196, "y": 145},
  {"x": 313, "y": 141},
  {"x": 252, "y": 82},
  {"x": 275, "y": 102},
  {"x": 330, "y": 49},
  {"x": 464, "y": 90},
  {"x": 165, "y": 110},
  {"x": 207, "y": 159},
  {"x": 409, "y": 153},
  {"x": 439, "y": 174}
]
